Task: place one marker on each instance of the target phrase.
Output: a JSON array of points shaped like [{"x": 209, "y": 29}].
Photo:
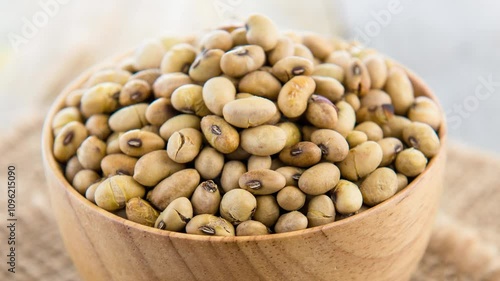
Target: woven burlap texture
[{"x": 463, "y": 246}]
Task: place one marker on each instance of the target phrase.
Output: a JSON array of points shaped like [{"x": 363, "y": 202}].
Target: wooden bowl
[{"x": 385, "y": 242}]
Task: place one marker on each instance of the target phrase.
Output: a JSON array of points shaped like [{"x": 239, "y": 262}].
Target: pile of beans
[{"x": 245, "y": 131}]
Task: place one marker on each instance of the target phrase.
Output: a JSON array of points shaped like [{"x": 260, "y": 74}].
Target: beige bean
[
  {"x": 400, "y": 88},
  {"x": 68, "y": 140},
  {"x": 371, "y": 129},
  {"x": 63, "y": 117},
  {"x": 361, "y": 161},
  {"x": 118, "y": 76},
  {"x": 291, "y": 174},
  {"x": 176, "y": 216},
  {"x": 375, "y": 98},
  {"x": 209, "y": 163},
  {"x": 284, "y": 48},
  {"x": 262, "y": 31},
  {"x": 177, "y": 123},
  {"x": 307, "y": 132},
  {"x": 179, "y": 184},
  {"x": 206, "y": 65},
  {"x": 319, "y": 179},
  {"x": 243, "y": 96},
  {"x": 220, "y": 134},
  {"x": 184, "y": 145},
  {"x": 422, "y": 137},
  {"x": 251, "y": 228},
  {"x": 91, "y": 152},
  {"x": 378, "y": 114},
  {"x": 217, "y": 39},
  {"x": 379, "y": 186},
  {"x": 267, "y": 211},
  {"x": 149, "y": 55},
  {"x": 402, "y": 181},
  {"x": 231, "y": 173},
  {"x": 242, "y": 60},
  {"x": 394, "y": 126},
  {"x": 353, "y": 101},
  {"x": 129, "y": 118},
  {"x": 329, "y": 87},
  {"x": 346, "y": 118},
  {"x": 263, "y": 140},
  {"x": 152, "y": 129},
  {"x": 90, "y": 193},
  {"x": 159, "y": 111},
  {"x": 209, "y": 225},
  {"x": 292, "y": 221},
  {"x": 155, "y": 166},
  {"x": 375, "y": 64},
  {"x": 113, "y": 143},
  {"x": 72, "y": 167},
  {"x": 330, "y": 70},
  {"x": 292, "y": 131},
  {"x": 101, "y": 98},
  {"x": 318, "y": 45},
  {"x": 167, "y": 83},
  {"x": 239, "y": 36},
  {"x": 357, "y": 78},
  {"x": 347, "y": 197},
  {"x": 341, "y": 58},
  {"x": 355, "y": 138},
  {"x": 239, "y": 154},
  {"x": 301, "y": 154},
  {"x": 425, "y": 110},
  {"x": 217, "y": 92},
  {"x": 292, "y": 99},
  {"x": 178, "y": 59},
  {"x": 134, "y": 91},
  {"x": 259, "y": 162},
  {"x": 291, "y": 198},
  {"x": 74, "y": 97},
  {"x": 83, "y": 179},
  {"x": 147, "y": 75},
  {"x": 390, "y": 149},
  {"x": 97, "y": 125},
  {"x": 289, "y": 67},
  {"x": 189, "y": 99},
  {"x": 411, "y": 162},
  {"x": 237, "y": 206},
  {"x": 118, "y": 164},
  {"x": 170, "y": 41},
  {"x": 140, "y": 211},
  {"x": 321, "y": 112},
  {"x": 114, "y": 192},
  {"x": 333, "y": 146},
  {"x": 260, "y": 83},
  {"x": 206, "y": 198},
  {"x": 262, "y": 182},
  {"x": 249, "y": 112},
  {"x": 137, "y": 143},
  {"x": 320, "y": 211},
  {"x": 302, "y": 51}
]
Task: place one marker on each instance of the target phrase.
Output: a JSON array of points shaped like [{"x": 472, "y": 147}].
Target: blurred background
[{"x": 453, "y": 45}]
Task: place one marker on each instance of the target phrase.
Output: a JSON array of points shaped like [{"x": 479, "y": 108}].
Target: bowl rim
[{"x": 52, "y": 166}]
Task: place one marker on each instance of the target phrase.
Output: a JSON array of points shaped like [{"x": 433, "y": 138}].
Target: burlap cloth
[{"x": 464, "y": 244}]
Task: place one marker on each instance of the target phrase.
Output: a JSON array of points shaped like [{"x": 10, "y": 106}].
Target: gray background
[{"x": 451, "y": 44}]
